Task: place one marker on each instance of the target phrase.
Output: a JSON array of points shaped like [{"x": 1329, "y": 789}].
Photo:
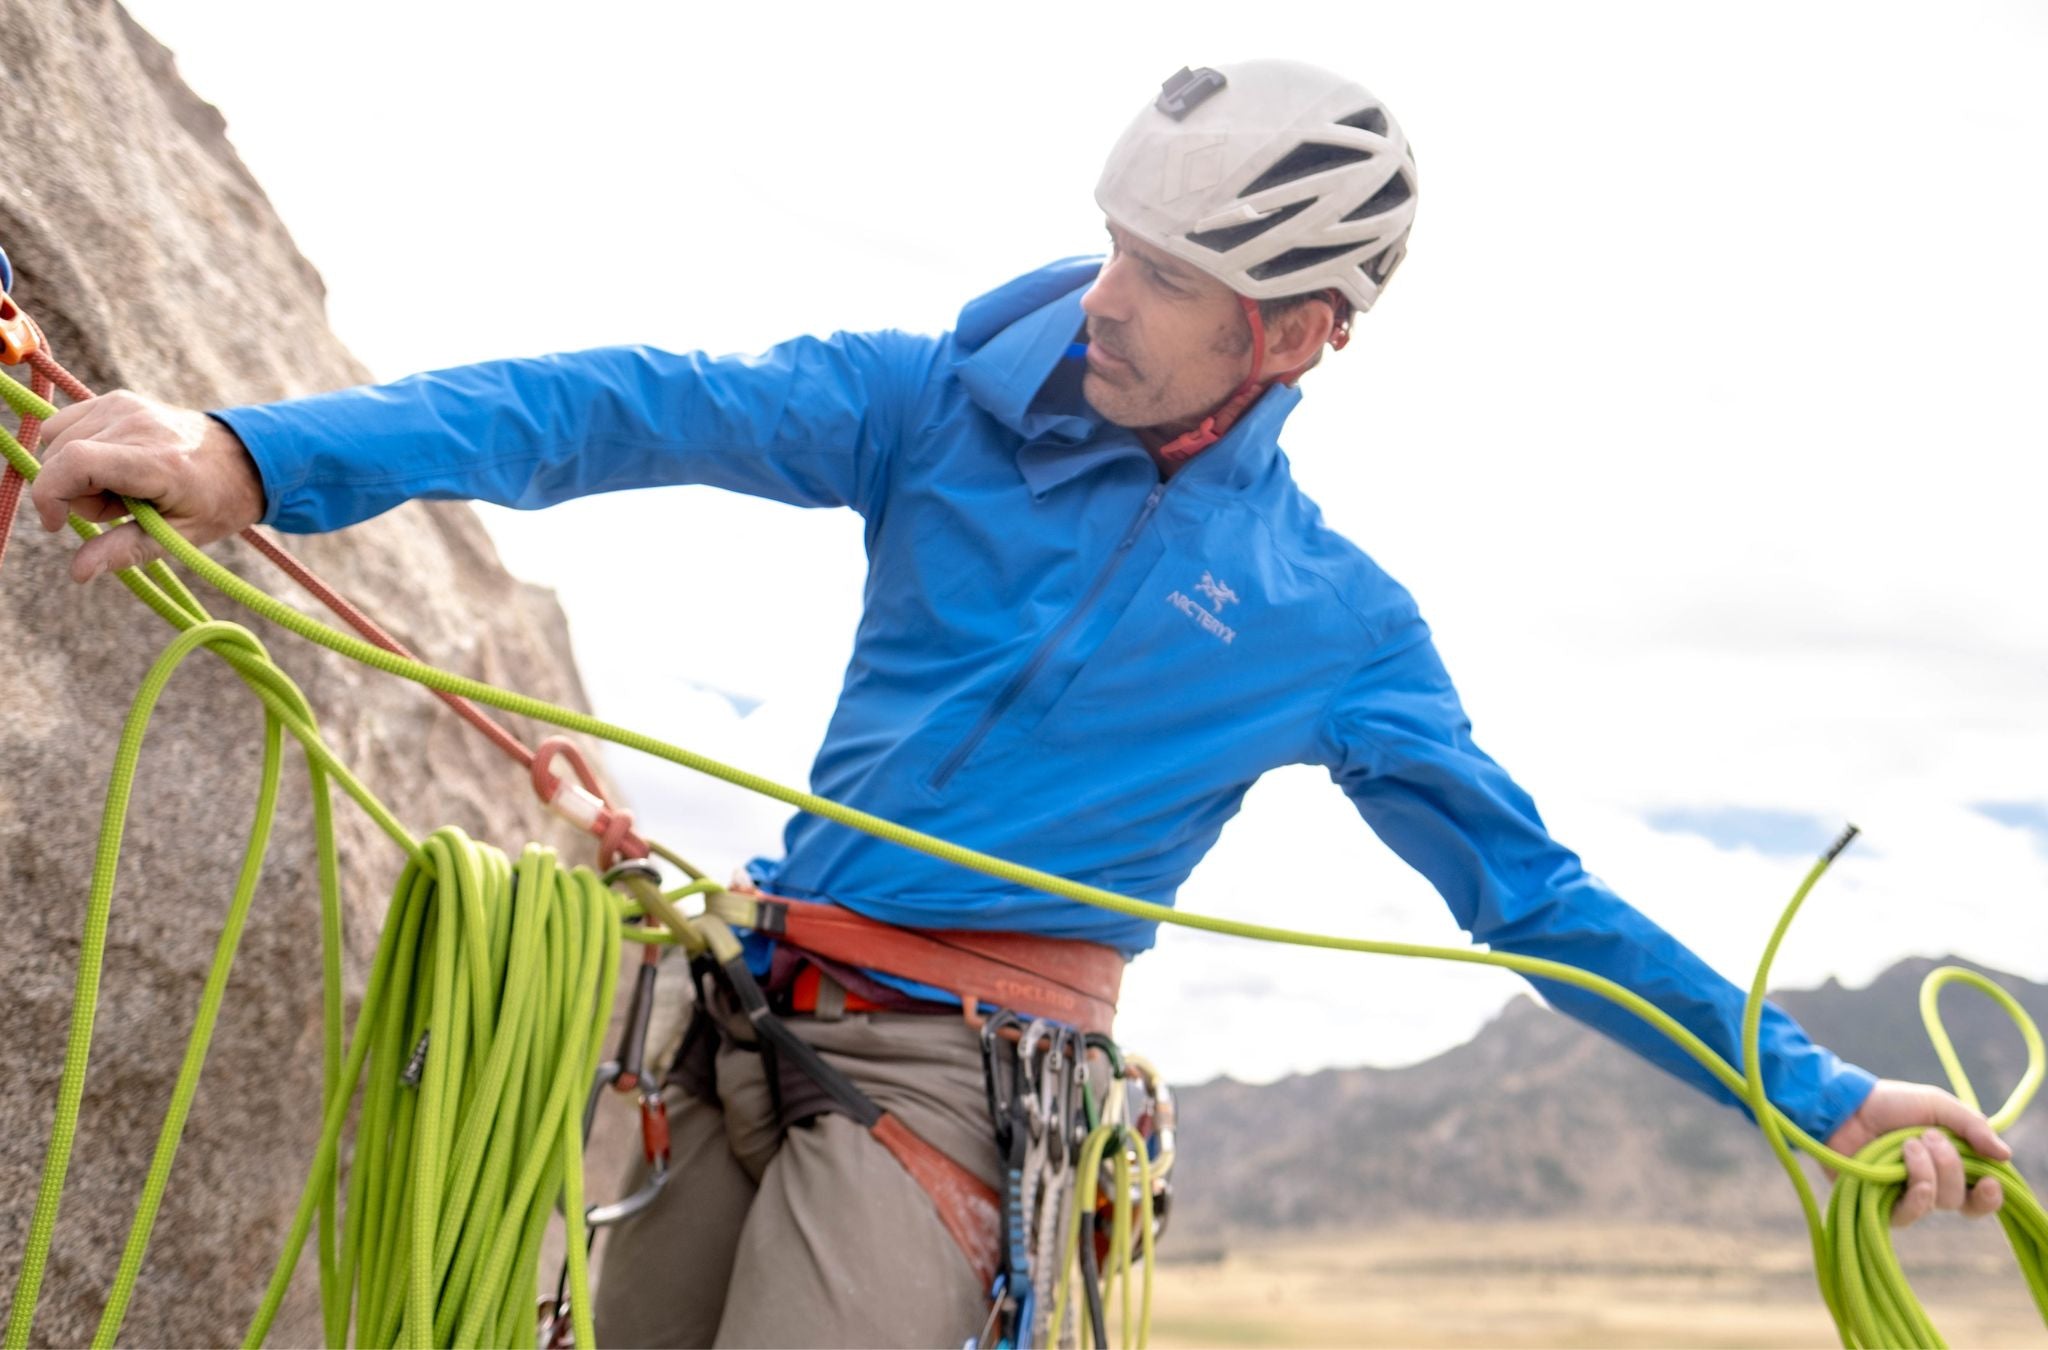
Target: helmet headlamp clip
[{"x": 1185, "y": 89}]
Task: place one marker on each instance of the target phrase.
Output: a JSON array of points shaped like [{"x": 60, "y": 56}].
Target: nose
[{"x": 1109, "y": 297}]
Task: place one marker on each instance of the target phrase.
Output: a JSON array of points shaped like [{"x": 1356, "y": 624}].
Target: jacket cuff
[
  {"x": 260, "y": 434},
  {"x": 1839, "y": 1101}
]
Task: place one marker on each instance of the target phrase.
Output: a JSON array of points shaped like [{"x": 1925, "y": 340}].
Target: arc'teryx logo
[{"x": 1219, "y": 594}]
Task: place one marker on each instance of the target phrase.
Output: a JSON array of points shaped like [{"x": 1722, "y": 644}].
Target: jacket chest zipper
[{"x": 1022, "y": 679}]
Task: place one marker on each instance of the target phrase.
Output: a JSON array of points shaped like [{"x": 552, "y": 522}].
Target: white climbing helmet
[{"x": 1275, "y": 177}]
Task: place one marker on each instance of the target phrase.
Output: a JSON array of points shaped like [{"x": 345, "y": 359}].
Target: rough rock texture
[{"x": 154, "y": 261}]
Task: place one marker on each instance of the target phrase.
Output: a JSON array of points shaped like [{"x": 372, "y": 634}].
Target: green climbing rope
[
  {"x": 1860, "y": 1280},
  {"x": 480, "y": 1031},
  {"x": 514, "y": 970}
]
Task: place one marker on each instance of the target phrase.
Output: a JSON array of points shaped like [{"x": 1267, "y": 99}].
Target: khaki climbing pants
[{"x": 812, "y": 1235}]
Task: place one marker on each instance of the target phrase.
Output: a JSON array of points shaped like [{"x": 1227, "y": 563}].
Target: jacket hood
[{"x": 1008, "y": 343}]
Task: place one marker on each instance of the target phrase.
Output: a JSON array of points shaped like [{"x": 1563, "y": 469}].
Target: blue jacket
[{"x": 1062, "y": 660}]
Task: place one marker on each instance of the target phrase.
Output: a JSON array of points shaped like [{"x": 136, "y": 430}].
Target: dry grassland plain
[{"x": 1562, "y": 1284}]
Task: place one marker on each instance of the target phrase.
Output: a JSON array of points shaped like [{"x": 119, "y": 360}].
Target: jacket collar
[
  {"x": 1012, "y": 341},
  {"x": 1248, "y": 450}
]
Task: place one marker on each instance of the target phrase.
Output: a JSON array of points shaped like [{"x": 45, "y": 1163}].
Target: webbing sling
[{"x": 966, "y": 1205}]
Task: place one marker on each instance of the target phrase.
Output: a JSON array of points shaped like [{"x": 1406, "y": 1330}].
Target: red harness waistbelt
[{"x": 1061, "y": 978}]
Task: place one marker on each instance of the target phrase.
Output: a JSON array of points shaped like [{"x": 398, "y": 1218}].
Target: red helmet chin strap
[
  {"x": 1213, "y": 427},
  {"x": 1191, "y": 443}
]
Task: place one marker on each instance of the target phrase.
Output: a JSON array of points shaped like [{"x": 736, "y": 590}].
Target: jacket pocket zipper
[{"x": 1022, "y": 680}]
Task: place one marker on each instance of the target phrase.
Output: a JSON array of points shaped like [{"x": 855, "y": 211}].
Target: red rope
[
  {"x": 10, "y": 498},
  {"x": 11, "y": 482},
  {"x": 46, "y": 366},
  {"x": 364, "y": 624}
]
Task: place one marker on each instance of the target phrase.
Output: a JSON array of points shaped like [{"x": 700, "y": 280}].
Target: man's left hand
[{"x": 1934, "y": 1170}]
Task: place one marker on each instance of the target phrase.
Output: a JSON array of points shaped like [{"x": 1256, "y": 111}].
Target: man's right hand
[{"x": 192, "y": 467}]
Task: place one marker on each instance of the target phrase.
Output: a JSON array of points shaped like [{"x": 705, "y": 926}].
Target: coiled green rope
[
  {"x": 1860, "y": 1278},
  {"x": 481, "y": 1030},
  {"x": 1866, "y": 1283},
  {"x": 514, "y": 970}
]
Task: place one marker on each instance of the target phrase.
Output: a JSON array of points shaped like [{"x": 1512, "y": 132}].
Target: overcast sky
[{"x": 1704, "y": 418}]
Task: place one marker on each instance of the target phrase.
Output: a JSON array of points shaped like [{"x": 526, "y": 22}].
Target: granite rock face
[{"x": 154, "y": 262}]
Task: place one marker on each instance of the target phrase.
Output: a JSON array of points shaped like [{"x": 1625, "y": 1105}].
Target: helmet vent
[
  {"x": 1381, "y": 265},
  {"x": 1295, "y": 259},
  {"x": 1310, "y": 157},
  {"x": 1386, "y": 199},
  {"x": 1230, "y": 236},
  {"x": 1367, "y": 119}
]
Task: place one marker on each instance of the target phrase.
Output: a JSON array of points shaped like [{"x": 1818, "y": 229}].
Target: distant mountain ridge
[{"x": 1538, "y": 1117}]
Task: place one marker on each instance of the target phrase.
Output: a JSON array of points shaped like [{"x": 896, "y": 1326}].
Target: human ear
[{"x": 1299, "y": 336}]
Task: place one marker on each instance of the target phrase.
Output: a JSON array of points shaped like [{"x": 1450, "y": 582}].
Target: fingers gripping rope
[{"x": 1851, "y": 1289}]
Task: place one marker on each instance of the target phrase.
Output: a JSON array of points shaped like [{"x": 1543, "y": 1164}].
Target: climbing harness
[
  {"x": 1060, "y": 979},
  {"x": 487, "y": 1002}
]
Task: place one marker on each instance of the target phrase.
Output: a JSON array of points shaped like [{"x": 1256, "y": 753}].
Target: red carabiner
[{"x": 582, "y": 804}]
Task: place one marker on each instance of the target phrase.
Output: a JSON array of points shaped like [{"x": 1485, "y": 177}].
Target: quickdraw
[{"x": 1074, "y": 1208}]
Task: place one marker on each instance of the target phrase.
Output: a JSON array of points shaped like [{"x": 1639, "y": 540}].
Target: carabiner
[
  {"x": 1001, "y": 1088},
  {"x": 631, "y": 1057},
  {"x": 654, "y": 1143}
]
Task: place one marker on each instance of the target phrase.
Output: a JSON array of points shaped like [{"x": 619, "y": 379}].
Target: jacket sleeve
[
  {"x": 813, "y": 422},
  {"x": 1400, "y": 746}
]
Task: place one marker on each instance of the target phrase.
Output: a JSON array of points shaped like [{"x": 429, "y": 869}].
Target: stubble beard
[{"x": 1123, "y": 405}]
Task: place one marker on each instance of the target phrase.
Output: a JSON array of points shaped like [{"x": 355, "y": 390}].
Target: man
[{"x": 1097, "y": 611}]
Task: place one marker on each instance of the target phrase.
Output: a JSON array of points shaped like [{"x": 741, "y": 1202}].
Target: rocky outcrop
[
  {"x": 154, "y": 262},
  {"x": 1538, "y": 1118}
]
